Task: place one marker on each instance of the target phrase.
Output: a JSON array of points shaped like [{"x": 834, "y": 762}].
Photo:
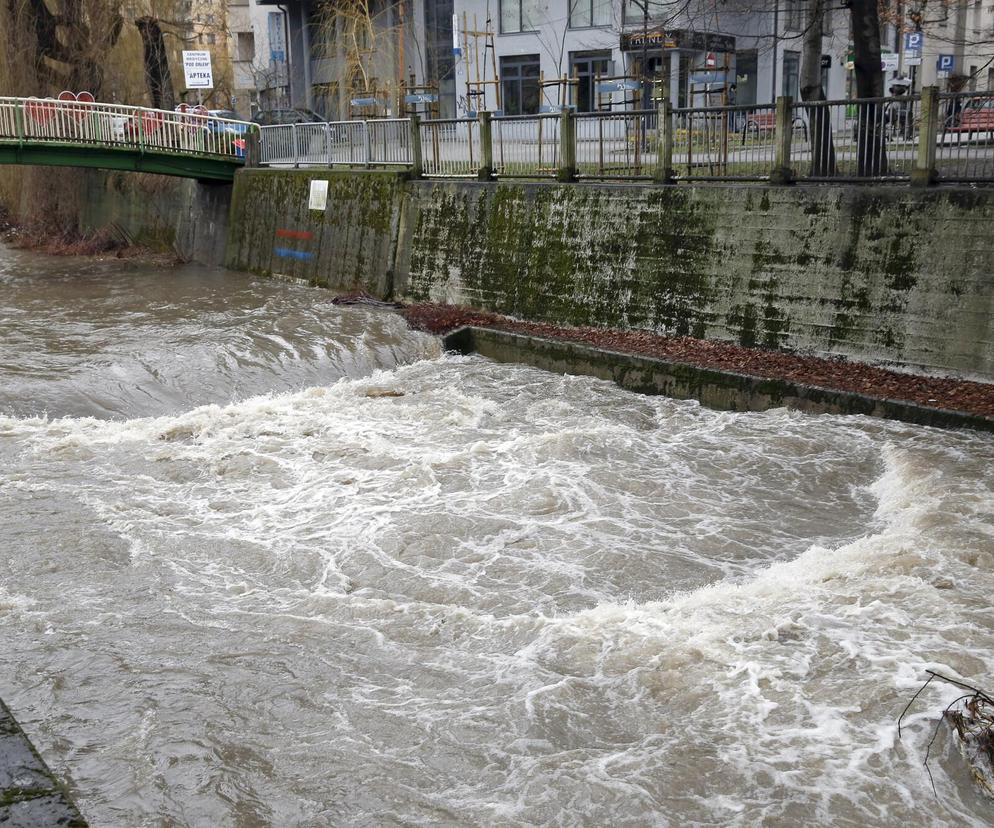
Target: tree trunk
[
  {"x": 157, "y": 76},
  {"x": 871, "y": 156},
  {"x": 819, "y": 117}
]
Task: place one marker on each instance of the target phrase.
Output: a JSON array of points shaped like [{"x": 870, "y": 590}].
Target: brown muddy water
[{"x": 269, "y": 561}]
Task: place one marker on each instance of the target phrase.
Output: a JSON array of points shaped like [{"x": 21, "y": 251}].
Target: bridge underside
[{"x": 204, "y": 168}]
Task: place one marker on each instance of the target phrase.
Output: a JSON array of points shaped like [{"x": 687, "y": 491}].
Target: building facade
[{"x": 528, "y": 56}]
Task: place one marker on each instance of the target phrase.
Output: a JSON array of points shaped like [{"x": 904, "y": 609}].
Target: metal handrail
[{"x": 49, "y": 120}]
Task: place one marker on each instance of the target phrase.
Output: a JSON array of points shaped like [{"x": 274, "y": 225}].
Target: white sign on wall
[
  {"x": 198, "y": 71},
  {"x": 319, "y": 194},
  {"x": 889, "y": 61}
]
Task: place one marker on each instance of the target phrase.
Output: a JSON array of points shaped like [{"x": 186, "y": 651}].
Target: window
[
  {"x": 519, "y": 15},
  {"x": 791, "y": 73},
  {"x": 586, "y": 66},
  {"x": 584, "y": 14},
  {"x": 826, "y": 20},
  {"x": 794, "y": 16},
  {"x": 211, "y": 39},
  {"x": 635, "y": 10},
  {"x": 519, "y": 84},
  {"x": 245, "y": 45}
]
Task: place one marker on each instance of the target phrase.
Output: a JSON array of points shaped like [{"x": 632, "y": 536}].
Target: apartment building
[{"x": 527, "y": 56}]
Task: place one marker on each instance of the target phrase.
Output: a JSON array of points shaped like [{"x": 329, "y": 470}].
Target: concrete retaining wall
[
  {"x": 724, "y": 390},
  {"x": 161, "y": 212},
  {"x": 351, "y": 244},
  {"x": 886, "y": 275}
]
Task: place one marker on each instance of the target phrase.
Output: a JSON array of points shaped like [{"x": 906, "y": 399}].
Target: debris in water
[
  {"x": 383, "y": 392},
  {"x": 360, "y": 297},
  {"x": 971, "y": 717}
]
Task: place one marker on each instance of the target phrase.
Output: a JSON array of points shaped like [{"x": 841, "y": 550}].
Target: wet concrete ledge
[
  {"x": 30, "y": 794},
  {"x": 723, "y": 390}
]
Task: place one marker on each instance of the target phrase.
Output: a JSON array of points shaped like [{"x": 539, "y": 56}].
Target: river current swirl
[{"x": 265, "y": 560}]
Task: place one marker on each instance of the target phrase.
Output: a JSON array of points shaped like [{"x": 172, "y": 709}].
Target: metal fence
[
  {"x": 617, "y": 144},
  {"x": 83, "y": 122},
  {"x": 526, "y": 146},
  {"x": 729, "y": 142},
  {"x": 382, "y": 143},
  {"x": 880, "y": 139},
  {"x": 965, "y": 150},
  {"x": 851, "y": 140},
  {"x": 450, "y": 147}
]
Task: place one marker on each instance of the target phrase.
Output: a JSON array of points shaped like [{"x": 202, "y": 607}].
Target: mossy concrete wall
[
  {"x": 889, "y": 275},
  {"x": 162, "y": 212},
  {"x": 351, "y": 244},
  {"x": 880, "y": 274}
]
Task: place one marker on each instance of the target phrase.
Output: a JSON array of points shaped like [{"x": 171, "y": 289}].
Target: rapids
[{"x": 241, "y": 585}]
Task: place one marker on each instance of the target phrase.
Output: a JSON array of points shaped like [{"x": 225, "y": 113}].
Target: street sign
[
  {"x": 826, "y": 62},
  {"x": 945, "y": 63},
  {"x": 889, "y": 61},
  {"x": 707, "y": 77},
  {"x": 617, "y": 86},
  {"x": 197, "y": 70},
  {"x": 914, "y": 42},
  {"x": 912, "y": 61}
]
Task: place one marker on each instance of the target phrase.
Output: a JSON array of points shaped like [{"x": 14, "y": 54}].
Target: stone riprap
[
  {"x": 30, "y": 795},
  {"x": 884, "y": 275}
]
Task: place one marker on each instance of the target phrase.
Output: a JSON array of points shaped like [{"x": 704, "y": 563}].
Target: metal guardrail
[
  {"x": 50, "y": 121},
  {"x": 617, "y": 144},
  {"x": 965, "y": 150},
  {"x": 923, "y": 138},
  {"x": 873, "y": 138},
  {"x": 450, "y": 147}
]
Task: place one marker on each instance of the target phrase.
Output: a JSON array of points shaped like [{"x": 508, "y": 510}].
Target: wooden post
[
  {"x": 417, "y": 157},
  {"x": 923, "y": 174},
  {"x": 253, "y": 150},
  {"x": 664, "y": 143},
  {"x": 783, "y": 133},
  {"x": 485, "y": 172},
  {"x": 567, "y": 146}
]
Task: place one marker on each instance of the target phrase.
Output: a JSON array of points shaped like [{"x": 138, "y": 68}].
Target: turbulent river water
[{"x": 269, "y": 561}]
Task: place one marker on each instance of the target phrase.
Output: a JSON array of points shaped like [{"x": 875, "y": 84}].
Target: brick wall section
[{"x": 880, "y": 274}]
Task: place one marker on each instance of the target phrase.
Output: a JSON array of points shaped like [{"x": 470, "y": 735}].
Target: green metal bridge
[{"x": 74, "y": 132}]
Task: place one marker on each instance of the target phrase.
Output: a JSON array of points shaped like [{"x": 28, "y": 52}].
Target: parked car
[
  {"x": 976, "y": 116},
  {"x": 223, "y": 127},
  {"x": 272, "y": 117}
]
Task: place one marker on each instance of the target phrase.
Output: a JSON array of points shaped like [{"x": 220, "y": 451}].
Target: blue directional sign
[
  {"x": 945, "y": 63},
  {"x": 914, "y": 42}
]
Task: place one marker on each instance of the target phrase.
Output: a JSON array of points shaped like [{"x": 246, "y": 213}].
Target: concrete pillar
[
  {"x": 567, "y": 146},
  {"x": 485, "y": 172},
  {"x": 923, "y": 173},
  {"x": 784, "y": 133}
]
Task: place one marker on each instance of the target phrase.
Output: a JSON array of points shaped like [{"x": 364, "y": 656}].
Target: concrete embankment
[
  {"x": 723, "y": 390},
  {"x": 883, "y": 275},
  {"x": 30, "y": 795}
]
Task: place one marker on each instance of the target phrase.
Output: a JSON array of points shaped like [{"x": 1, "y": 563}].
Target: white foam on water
[{"x": 503, "y": 597}]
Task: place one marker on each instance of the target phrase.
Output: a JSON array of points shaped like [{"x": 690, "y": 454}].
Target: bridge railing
[{"x": 37, "y": 120}]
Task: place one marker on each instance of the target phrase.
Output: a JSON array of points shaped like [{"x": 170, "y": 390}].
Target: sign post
[{"x": 197, "y": 70}]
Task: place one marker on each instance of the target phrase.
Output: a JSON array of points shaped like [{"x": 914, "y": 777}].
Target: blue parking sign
[
  {"x": 913, "y": 44},
  {"x": 945, "y": 63}
]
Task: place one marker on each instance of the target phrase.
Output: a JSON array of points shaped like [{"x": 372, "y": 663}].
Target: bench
[{"x": 767, "y": 122}]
